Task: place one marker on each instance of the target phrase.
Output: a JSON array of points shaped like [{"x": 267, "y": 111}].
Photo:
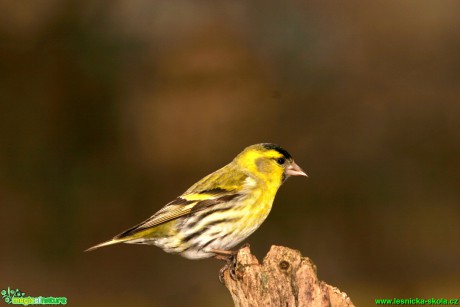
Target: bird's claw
[
  {"x": 230, "y": 258},
  {"x": 230, "y": 265}
]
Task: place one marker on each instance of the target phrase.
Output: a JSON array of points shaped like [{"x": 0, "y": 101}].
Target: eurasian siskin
[{"x": 220, "y": 210}]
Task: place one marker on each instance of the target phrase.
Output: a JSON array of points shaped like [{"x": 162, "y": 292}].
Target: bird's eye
[{"x": 280, "y": 161}]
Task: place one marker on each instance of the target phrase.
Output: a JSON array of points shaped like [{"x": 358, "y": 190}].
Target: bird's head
[{"x": 269, "y": 162}]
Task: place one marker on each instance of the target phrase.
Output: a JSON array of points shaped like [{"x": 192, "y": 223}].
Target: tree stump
[{"x": 285, "y": 278}]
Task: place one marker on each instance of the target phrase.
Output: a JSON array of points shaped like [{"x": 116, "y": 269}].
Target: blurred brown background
[{"x": 110, "y": 109}]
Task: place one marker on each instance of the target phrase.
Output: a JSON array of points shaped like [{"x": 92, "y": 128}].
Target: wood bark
[{"x": 285, "y": 278}]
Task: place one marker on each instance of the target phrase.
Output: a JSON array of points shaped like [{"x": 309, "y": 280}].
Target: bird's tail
[
  {"x": 135, "y": 234},
  {"x": 109, "y": 242}
]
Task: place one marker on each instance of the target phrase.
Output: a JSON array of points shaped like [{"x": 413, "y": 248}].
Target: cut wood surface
[{"x": 285, "y": 278}]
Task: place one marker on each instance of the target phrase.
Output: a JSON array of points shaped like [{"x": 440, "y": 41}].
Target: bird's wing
[
  {"x": 181, "y": 206},
  {"x": 221, "y": 186},
  {"x": 224, "y": 185},
  {"x": 177, "y": 208},
  {"x": 197, "y": 198}
]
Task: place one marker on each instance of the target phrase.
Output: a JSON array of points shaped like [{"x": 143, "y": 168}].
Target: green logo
[
  {"x": 9, "y": 294},
  {"x": 16, "y": 297}
]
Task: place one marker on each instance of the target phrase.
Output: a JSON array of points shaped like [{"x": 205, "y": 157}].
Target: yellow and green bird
[{"x": 219, "y": 211}]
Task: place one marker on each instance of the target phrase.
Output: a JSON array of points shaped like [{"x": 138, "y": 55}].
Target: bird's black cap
[{"x": 282, "y": 151}]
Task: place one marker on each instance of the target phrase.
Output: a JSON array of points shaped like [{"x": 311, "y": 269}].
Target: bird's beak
[{"x": 295, "y": 170}]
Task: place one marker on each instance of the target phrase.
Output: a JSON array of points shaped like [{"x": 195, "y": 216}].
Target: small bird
[{"x": 219, "y": 211}]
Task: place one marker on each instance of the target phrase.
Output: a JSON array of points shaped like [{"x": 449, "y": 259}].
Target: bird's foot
[
  {"x": 230, "y": 258},
  {"x": 230, "y": 263}
]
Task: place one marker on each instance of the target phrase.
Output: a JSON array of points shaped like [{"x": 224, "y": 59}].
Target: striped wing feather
[
  {"x": 221, "y": 186},
  {"x": 181, "y": 207}
]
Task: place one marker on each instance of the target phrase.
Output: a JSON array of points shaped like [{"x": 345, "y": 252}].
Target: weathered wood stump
[{"x": 285, "y": 278}]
